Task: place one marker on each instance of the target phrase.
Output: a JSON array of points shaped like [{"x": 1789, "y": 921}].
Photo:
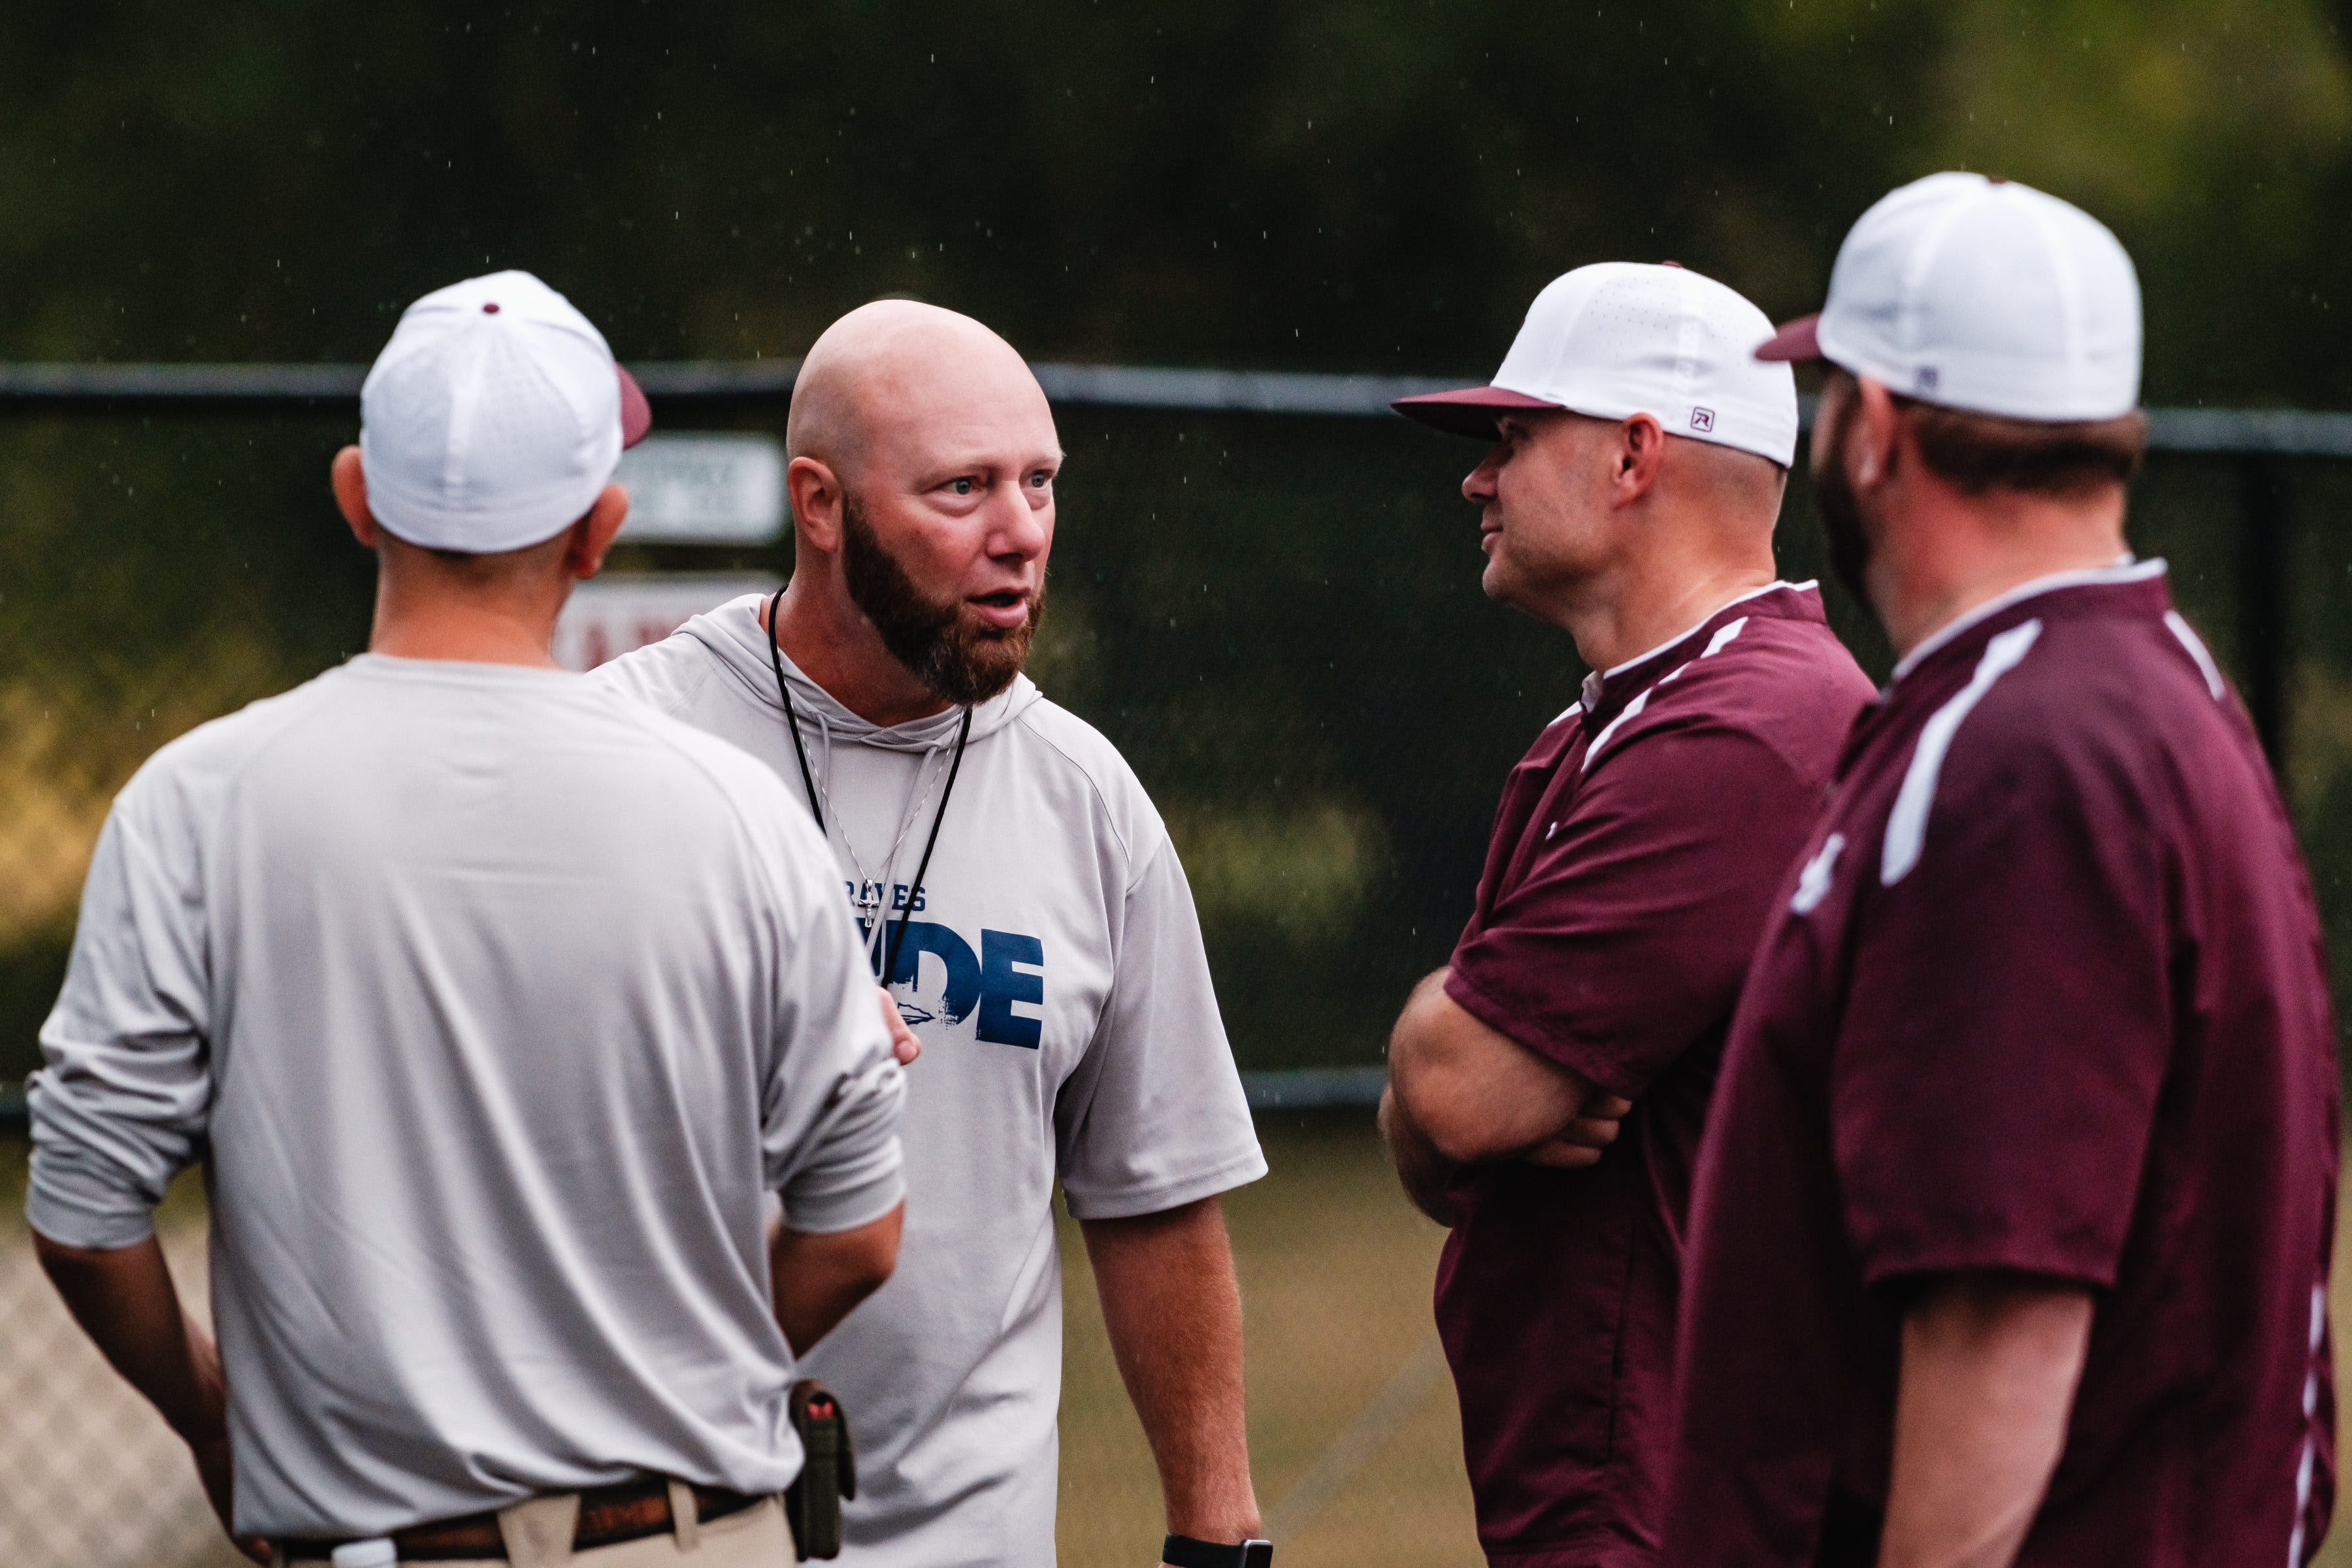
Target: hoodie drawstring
[{"x": 884, "y": 963}]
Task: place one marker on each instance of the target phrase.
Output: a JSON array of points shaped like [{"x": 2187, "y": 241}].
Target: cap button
[
  {"x": 490, "y": 307},
  {"x": 1675, "y": 265}
]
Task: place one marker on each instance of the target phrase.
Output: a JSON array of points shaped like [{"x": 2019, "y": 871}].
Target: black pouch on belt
[{"x": 828, "y": 1471}]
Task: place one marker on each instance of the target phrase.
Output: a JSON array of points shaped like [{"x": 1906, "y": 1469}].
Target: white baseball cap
[
  {"x": 493, "y": 418},
  {"x": 1983, "y": 295},
  {"x": 1621, "y": 337}
]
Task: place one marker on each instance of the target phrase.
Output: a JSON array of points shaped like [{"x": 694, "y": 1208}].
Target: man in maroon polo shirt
[
  {"x": 2012, "y": 1224},
  {"x": 1630, "y": 499}
]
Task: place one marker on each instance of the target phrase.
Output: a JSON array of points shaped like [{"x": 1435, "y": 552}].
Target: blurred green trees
[{"x": 1333, "y": 183}]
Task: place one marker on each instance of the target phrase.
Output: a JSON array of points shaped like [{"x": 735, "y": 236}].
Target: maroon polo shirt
[
  {"x": 1635, "y": 856},
  {"x": 2045, "y": 995}
]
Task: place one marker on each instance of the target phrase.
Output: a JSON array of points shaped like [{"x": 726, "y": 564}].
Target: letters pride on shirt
[{"x": 990, "y": 980}]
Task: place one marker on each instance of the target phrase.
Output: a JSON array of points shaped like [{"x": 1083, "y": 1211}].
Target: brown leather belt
[{"x": 608, "y": 1516}]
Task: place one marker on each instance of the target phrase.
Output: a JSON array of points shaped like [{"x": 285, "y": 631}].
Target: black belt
[{"x": 608, "y": 1516}]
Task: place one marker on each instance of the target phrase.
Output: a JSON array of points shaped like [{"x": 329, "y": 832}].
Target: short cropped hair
[{"x": 1980, "y": 452}]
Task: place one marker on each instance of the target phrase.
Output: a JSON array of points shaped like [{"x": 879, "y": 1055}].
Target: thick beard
[
  {"x": 957, "y": 659},
  {"x": 1840, "y": 512}
]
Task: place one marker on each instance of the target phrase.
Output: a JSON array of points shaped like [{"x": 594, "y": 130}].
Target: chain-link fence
[
  {"x": 92, "y": 1475},
  {"x": 1270, "y": 605}
]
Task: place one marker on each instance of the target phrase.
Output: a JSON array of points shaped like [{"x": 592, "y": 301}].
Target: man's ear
[
  {"x": 1877, "y": 434},
  {"x": 592, "y": 536},
  {"x": 348, "y": 479},
  {"x": 1640, "y": 450},
  {"x": 816, "y": 498}
]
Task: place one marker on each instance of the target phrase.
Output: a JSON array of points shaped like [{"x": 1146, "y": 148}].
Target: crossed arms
[
  {"x": 1461, "y": 1093},
  {"x": 1990, "y": 1362}
]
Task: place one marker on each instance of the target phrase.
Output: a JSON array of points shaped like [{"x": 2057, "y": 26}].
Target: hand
[
  {"x": 903, "y": 1044},
  {"x": 1580, "y": 1143},
  {"x": 206, "y": 1435},
  {"x": 125, "y": 1301},
  {"x": 213, "y": 1469}
]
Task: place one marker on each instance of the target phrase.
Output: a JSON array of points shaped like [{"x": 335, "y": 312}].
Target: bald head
[
  {"x": 895, "y": 375},
  {"x": 922, "y": 458}
]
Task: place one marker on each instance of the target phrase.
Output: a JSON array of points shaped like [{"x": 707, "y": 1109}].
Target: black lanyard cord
[
  {"x": 808, "y": 782},
  {"x": 785, "y": 695},
  {"x": 955, "y": 766}
]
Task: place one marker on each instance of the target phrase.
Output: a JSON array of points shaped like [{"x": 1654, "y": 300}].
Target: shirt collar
[
  {"x": 1599, "y": 683},
  {"x": 2127, "y": 570}
]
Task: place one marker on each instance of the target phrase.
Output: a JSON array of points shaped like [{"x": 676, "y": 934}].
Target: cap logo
[
  {"x": 490, "y": 307},
  {"x": 1702, "y": 418},
  {"x": 1928, "y": 378}
]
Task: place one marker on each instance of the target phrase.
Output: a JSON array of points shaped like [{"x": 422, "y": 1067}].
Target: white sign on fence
[
  {"x": 622, "y": 611},
  {"x": 704, "y": 490}
]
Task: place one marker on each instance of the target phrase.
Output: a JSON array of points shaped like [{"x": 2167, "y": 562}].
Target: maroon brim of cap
[
  {"x": 1470, "y": 411},
  {"x": 636, "y": 413},
  {"x": 1798, "y": 343}
]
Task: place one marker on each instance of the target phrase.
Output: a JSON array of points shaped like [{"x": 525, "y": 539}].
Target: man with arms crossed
[
  {"x": 2011, "y": 1227},
  {"x": 1630, "y": 500},
  {"x": 495, "y": 1003},
  {"x": 1020, "y": 894}
]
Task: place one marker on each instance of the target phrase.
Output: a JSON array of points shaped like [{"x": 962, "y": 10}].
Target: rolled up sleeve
[
  {"x": 122, "y": 1100},
  {"x": 855, "y": 1174},
  {"x": 835, "y": 1093}
]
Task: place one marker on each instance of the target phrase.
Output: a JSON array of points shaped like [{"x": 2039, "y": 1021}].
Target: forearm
[
  {"x": 817, "y": 1278},
  {"x": 1426, "y": 1175},
  {"x": 1990, "y": 1365},
  {"x": 125, "y": 1302},
  {"x": 1174, "y": 1310},
  {"x": 1474, "y": 1093}
]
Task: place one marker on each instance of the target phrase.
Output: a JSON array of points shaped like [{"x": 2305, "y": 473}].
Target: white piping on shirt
[
  {"x": 1738, "y": 599},
  {"x": 1813, "y": 881},
  {"x": 1723, "y": 634},
  {"x": 1609, "y": 729},
  {"x": 2187, "y": 635},
  {"x": 2125, "y": 571},
  {"x": 2310, "y": 1403},
  {"x": 1591, "y": 696},
  {"x": 1715, "y": 644},
  {"x": 1906, "y": 824}
]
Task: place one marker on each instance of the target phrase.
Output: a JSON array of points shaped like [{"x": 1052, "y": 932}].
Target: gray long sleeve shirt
[{"x": 497, "y": 1000}]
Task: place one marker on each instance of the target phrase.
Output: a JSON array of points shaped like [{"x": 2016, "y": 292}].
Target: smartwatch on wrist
[{"x": 1183, "y": 1551}]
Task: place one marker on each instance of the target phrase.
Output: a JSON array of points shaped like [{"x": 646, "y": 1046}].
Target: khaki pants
[{"x": 539, "y": 1535}]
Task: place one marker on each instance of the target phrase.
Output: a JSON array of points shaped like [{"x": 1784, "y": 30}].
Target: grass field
[
  {"x": 1335, "y": 1273},
  {"x": 1351, "y": 1415}
]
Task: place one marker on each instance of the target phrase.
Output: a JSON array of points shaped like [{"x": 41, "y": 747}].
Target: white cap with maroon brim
[
  {"x": 1982, "y": 295},
  {"x": 493, "y": 418},
  {"x": 1621, "y": 337}
]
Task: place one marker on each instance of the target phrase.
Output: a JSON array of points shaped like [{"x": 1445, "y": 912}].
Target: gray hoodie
[{"x": 1053, "y": 967}]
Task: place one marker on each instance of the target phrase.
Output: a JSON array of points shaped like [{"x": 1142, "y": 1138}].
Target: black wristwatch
[{"x": 1183, "y": 1551}]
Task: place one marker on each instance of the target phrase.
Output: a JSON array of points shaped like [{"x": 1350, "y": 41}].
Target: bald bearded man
[{"x": 1021, "y": 896}]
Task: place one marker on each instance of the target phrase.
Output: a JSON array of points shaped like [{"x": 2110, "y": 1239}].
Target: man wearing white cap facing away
[
  {"x": 1548, "y": 1086},
  {"x": 493, "y": 1002},
  {"x": 2011, "y": 1227}
]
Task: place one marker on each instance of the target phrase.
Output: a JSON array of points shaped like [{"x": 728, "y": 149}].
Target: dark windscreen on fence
[{"x": 1277, "y": 618}]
